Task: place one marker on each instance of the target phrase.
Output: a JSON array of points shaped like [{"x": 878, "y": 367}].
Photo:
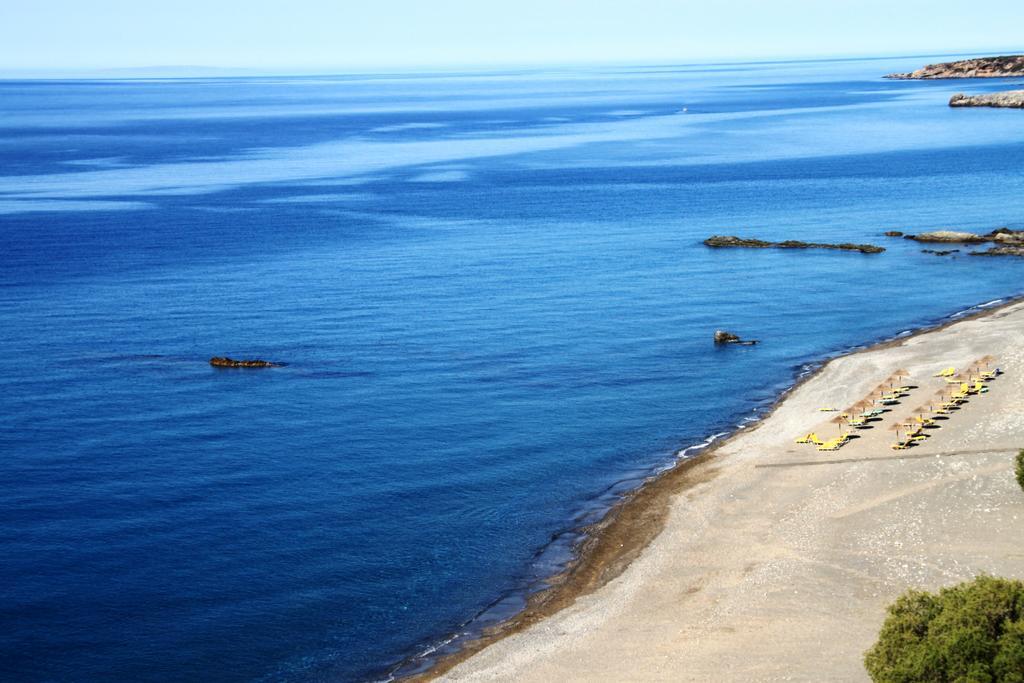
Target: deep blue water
[{"x": 496, "y": 311}]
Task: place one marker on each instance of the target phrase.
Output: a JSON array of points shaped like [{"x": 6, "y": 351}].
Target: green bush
[
  {"x": 1020, "y": 468},
  {"x": 970, "y": 633}
]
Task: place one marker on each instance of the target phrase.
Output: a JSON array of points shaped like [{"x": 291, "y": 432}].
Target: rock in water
[
  {"x": 723, "y": 337},
  {"x": 949, "y": 236},
  {"x": 1000, "y": 251},
  {"x": 1007, "y": 236},
  {"x": 750, "y": 243},
  {"x": 225, "y": 362},
  {"x": 1011, "y": 99}
]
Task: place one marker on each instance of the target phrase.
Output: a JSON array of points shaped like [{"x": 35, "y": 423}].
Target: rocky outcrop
[
  {"x": 1011, "y": 99},
  {"x": 1007, "y": 236},
  {"x": 225, "y": 362},
  {"x": 733, "y": 241},
  {"x": 1000, "y": 235},
  {"x": 1001, "y": 251},
  {"x": 946, "y": 236},
  {"x": 1008, "y": 242},
  {"x": 983, "y": 67},
  {"x": 723, "y": 337}
]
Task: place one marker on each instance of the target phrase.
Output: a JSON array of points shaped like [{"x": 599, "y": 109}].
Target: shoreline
[{"x": 609, "y": 546}]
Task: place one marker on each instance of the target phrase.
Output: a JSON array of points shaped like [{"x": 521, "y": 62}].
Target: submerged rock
[
  {"x": 894, "y": 233},
  {"x": 981, "y": 67},
  {"x": 1011, "y": 99},
  {"x": 749, "y": 243},
  {"x": 943, "y": 252},
  {"x": 225, "y": 362}
]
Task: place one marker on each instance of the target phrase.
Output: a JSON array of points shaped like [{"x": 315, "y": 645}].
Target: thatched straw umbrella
[
  {"x": 839, "y": 420},
  {"x": 896, "y": 427}
]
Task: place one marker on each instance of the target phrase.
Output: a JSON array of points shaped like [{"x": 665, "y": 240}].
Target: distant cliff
[
  {"x": 982, "y": 67},
  {"x": 1013, "y": 99}
]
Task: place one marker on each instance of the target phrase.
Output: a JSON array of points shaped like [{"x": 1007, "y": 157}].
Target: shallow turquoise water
[{"x": 496, "y": 311}]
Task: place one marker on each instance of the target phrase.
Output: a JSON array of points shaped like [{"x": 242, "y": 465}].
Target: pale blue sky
[{"x": 320, "y": 34}]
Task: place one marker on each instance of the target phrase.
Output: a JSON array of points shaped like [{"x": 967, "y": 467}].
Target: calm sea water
[{"x": 496, "y": 312}]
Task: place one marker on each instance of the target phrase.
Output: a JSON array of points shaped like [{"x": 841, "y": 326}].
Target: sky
[{"x": 321, "y": 35}]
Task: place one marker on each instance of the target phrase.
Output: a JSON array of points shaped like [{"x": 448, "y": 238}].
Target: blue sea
[{"x": 496, "y": 312}]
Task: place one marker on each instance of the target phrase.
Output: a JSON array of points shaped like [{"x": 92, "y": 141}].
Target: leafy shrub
[
  {"x": 1020, "y": 468},
  {"x": 970, "y": 633}
]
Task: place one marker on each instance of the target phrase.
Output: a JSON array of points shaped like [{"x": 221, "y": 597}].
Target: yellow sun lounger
[
  {"x": 810, "y": 438},
  {"x": 833, "y": 445},
  {"x": 948, "y": 372}
]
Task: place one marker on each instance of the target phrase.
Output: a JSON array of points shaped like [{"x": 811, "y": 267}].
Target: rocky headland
[
  {"x": 1011, "y": 99},
  {"x": 733, "y": 241},
  {"x": 1005, "y": 66}
]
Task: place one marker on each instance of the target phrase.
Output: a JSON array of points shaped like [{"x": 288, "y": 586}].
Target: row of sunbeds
[
  {"x": 961, "y": 387},
  {"x": 971, "y": 382},
  {"x": 862, "y": 413}
]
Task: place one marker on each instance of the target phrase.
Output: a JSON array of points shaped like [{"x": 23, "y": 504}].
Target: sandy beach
[{"x": 772, "y": 561}]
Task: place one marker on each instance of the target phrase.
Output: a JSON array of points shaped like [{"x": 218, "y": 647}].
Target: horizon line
[{"x": 212, "y": 71}]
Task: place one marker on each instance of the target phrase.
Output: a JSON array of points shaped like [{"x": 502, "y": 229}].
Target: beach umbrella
[
  {"x": 896, "y": 427},
  {"x": 839, "y": 419}
]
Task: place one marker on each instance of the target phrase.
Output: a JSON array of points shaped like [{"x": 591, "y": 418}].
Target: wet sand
[{"x": 764, "y": 560}]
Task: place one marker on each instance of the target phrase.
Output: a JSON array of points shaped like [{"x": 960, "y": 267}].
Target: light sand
[{"x": 779, "y": 567}]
